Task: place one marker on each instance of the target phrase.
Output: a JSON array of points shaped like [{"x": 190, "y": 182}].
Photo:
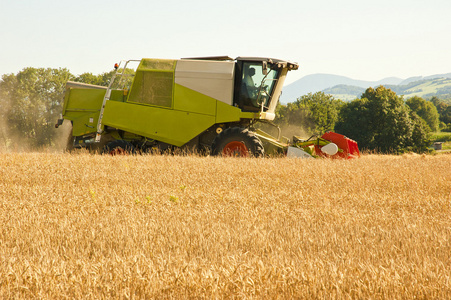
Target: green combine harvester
[{"x": 206, "y": 104}]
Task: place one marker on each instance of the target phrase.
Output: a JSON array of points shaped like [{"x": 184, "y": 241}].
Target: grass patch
[{"x": 442, "y": 137}]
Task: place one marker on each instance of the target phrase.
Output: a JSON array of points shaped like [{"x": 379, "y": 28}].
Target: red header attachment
[{"x": 349, "y": 147}]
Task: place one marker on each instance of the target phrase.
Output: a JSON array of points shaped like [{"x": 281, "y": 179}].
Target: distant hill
[
  {"x": 424, "y": 88},
  {"x": 347, "y": 89},
  {"x": 345, "y": 92},
  {"x": 420, "y": 78},
  {"x": 319, "y": 82}
]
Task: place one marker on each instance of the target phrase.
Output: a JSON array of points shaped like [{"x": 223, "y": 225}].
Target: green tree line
[
  {"x": 31, "y": 102},
  {"x": 379, "y": 120}
]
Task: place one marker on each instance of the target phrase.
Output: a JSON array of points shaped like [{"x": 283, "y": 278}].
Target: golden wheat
[{"x": 92, "y": 226}]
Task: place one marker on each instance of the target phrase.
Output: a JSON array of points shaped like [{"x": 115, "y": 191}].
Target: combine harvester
[{"x": 210, "y": 104}]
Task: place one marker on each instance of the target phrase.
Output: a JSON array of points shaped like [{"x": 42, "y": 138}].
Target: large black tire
[
  {"x": 119, "y": 147},
  {"x": 237, "y": 141}
]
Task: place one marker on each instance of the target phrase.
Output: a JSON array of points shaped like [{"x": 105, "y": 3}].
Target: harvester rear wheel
[
  {"x": 119, "y": 147},
  {"x": 236, "y": 141}
]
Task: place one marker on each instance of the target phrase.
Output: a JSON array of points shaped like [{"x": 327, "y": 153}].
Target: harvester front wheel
[
  {"x": 236, "y": 141},
  {"x": 119, "y": 147}
]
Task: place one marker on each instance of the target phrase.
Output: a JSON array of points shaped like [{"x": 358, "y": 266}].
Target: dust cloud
[
  {"x": 63, "y": 137},
  {"x": 11, "y": 141},
  {"x": 295, "y": 130}
]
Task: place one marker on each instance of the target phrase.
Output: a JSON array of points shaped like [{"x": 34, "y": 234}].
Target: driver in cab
[{"x": 249, "y": 83}]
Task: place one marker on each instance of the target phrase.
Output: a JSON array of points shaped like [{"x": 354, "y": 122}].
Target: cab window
[{"x": 256, "y": 87}]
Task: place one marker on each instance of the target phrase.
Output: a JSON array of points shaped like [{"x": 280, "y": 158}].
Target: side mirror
[{"x": 265, "y": 68}]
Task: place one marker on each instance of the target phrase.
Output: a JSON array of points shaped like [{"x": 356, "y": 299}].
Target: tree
[
  {"x": 381, "y": 121},
  {"x": 315, "y": 113},
  {"x": 101, "y": 79},
  {"x": 419, "y": 140},
  {"x": 31, "y": 102},
  {"x": 443, "y": 109},
  {"x": 425, "y": 110}
]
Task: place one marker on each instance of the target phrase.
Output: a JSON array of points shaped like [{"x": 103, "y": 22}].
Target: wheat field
[{"x": 84, "y": 226}]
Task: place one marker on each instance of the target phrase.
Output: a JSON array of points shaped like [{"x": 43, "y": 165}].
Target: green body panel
[
  {"x": 189, "y": 100},
  {"x": 165, "y": 125},
  {"x": 227, "y": 113},
  {"x": 82, "y": 107},
  {"x": 85, "y": 124},
  {"x": 118, "y": 95},
  {"x": 84, "y": 100},
  {"x": 156, "y": 64},
  {"x": 153, "y": 83}
]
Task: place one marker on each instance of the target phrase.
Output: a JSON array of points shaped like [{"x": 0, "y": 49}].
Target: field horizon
[{"x": 160, "y": 226}]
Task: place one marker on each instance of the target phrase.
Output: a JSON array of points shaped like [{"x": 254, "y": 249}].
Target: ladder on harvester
[{"x": 119, "y": 73}]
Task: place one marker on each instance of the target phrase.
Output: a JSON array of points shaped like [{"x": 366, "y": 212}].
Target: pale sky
[{"x": 367, "y": 40}]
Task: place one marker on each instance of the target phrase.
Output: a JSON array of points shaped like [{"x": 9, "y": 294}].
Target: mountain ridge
[{"x": 337, "y": 85}]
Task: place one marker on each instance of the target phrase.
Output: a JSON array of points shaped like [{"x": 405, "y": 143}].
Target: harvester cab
[
  {"x": 258, "y": 83},
  {"x": 208, "y": 104}
]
